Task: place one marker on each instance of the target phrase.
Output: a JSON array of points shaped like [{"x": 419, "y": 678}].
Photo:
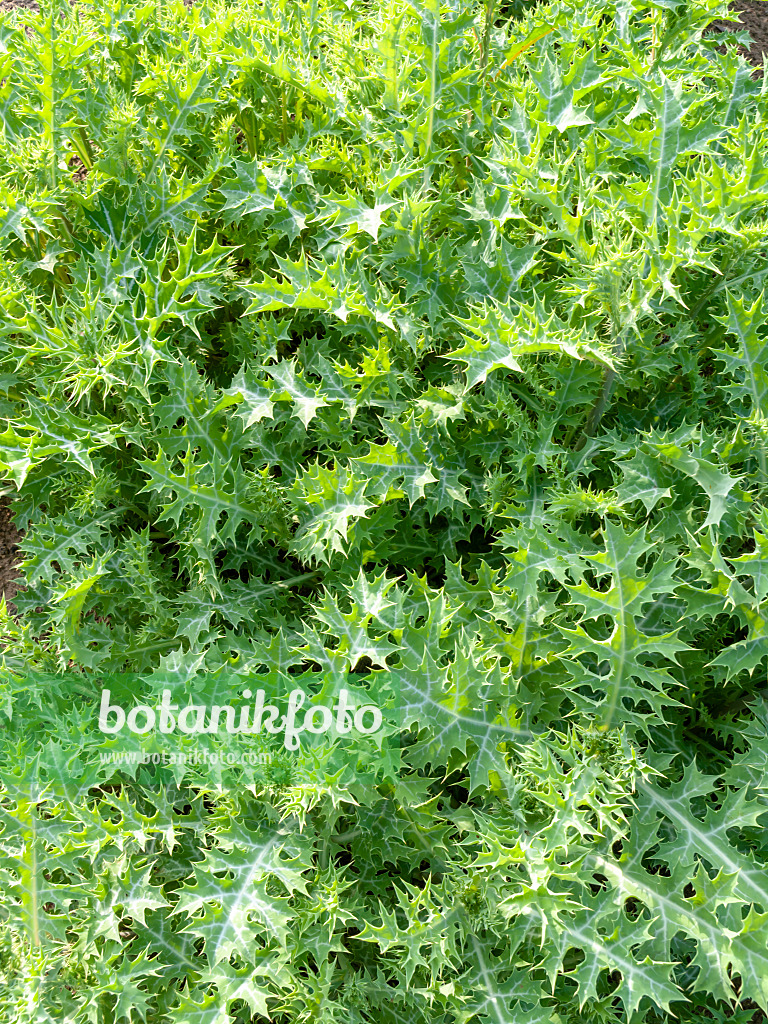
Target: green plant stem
[
  {"x": 83, "y": 147},
  {"x": 490, "y": 11}
]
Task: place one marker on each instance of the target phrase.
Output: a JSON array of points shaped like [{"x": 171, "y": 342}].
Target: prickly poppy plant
[{"x": 414, "y": 349}]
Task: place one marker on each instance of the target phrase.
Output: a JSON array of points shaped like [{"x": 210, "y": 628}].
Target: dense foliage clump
[{"x": 417, "y": 349}]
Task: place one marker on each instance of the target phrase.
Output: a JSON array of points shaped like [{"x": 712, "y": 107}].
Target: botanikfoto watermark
[{"x": 248, "y": 719}]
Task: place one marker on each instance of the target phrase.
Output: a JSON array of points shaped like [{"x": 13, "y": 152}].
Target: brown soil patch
[
  {"x": 9, "y": 553},
  {"x": 78, "y": 168},
  {"x": 753, "y": 15},
  {"x": 30, "y": 5}
]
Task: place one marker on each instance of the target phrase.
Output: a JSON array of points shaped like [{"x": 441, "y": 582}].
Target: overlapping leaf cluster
[{"x": 365, "y": 339}]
